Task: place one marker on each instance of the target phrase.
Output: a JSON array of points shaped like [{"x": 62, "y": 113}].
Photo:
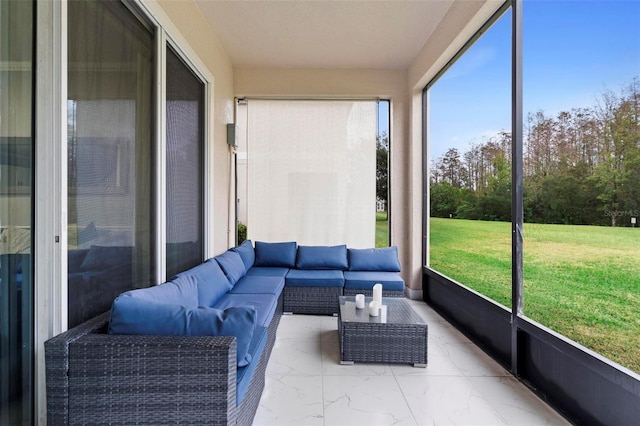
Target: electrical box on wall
[{"x": 231, "y": 134}]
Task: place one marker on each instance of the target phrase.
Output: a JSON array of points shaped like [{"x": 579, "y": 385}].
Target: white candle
[
  {"x": 360, "y": 301},
  {"x": 383, "y": 313},
  {"x": 374, "y": 308},
  {"x": 377, "y": 293}
]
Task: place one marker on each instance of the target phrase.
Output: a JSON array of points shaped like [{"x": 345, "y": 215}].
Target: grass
[
  {"x": 581, "y": 281},
  {"x": 382, "y": 230}
]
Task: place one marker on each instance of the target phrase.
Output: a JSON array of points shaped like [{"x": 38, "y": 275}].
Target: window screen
[
  {"x": 185, "y": 165},
  {"x": 110, "y": 122}
]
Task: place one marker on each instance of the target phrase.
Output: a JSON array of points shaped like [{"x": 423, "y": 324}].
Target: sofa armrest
[{"x": 141, "y": 379}]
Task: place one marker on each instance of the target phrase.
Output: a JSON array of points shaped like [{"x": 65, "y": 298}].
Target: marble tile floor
[{"x": 307, "y": 385}]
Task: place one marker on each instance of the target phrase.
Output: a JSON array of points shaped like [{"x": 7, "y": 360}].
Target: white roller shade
[{"x": 311, "y": 170}]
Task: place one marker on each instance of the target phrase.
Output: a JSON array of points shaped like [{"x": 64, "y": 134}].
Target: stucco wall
[
  {"x": 351, "y": 83},
  {"x": 402, "y": 87},
  {"x": 461, "y": 22},
  {"x": 191, "y": 31}
]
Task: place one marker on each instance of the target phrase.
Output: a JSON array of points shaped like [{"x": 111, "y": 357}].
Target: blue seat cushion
[
  {"x": 131, "y": 315},
  {"x": 182, "y": 290},
  {"x": 276, "y": 254},
  {"x": 247, "y": 253},
  {"x": 265, "y": 271},
  {"x": 257, "y": 284},
  {"x": 244, "y": 374},
  {"x": 265, "y": 304},
  {"x": 212, "y": 282},
  {"x": 314, "y": 278},
  {"x": 232, "y": 265},
  {"x": 374, "y": 259},
  {"x": 366, "y": 280},
  {"x": 322, "y": 257}
]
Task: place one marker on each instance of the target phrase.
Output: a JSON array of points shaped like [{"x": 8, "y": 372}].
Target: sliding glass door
[
  {"x": 16, "y": 207},
  {"x": 110, "y": 155},
  {"x": 185, "y": 166}
]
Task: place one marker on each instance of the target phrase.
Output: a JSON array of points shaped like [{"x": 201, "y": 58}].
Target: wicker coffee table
[{"x": 401, "y": 337}]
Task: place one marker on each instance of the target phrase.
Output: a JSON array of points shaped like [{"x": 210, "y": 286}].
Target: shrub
[{"x": 242, "y": 233}]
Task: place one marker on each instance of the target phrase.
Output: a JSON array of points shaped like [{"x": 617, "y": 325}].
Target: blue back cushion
[
  {"x": 247, "y": 253},
  {"x": 211, "y": 281},
  {"x": 182, "y": 291},
  {"x": 232, "y": 265},
  {"x": 276, "y": 254},
  {"x": 322, "y": 257},
  {"x": 374, "y": 259},
  {"x": 130, "y": 315},
  {"x": 133, "y": 315}
]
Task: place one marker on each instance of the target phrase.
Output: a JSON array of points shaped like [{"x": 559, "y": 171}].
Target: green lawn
[
  {"x": 382, "y": 229},
  {"x": 581, "y": 281}
]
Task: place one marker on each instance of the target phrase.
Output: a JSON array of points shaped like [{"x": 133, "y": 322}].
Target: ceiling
[{"x": 323, "y": 34}]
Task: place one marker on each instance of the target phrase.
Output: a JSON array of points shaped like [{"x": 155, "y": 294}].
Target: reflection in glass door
[{"x": 16, "y": 206}]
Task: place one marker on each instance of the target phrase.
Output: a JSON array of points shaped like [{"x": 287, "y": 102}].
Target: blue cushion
[
  {"x": 131, "y": 315},
  {"x": 265, "y": 304},
  {"x": 212, "y": 283},
  {"x": 247, "y": 253},
  {"x": 314, "y": 278},
  {"x": 181, "y": 291},
  {"x": 244, "y": 374},
  {"x": 265, "y": 271},
  {"x": 232, "y": 265},
  {"x": 256, "y": 284},
  {"x": 238, "y": 321},
  {"x": 322, "y": 257},
  {"x": 366, "y": 280},
  {"x": 276, "y": 254},
  {"x": 374, "y": 259}
]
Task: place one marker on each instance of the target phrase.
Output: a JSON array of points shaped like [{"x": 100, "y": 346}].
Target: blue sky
[
  {"x": 573, "y": 52},
  {"x": 383, "y": 117}
]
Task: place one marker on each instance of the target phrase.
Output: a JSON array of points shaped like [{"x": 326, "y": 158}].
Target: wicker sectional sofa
[{"x": 194, "y": 350}]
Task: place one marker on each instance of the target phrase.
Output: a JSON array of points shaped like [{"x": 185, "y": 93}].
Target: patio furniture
[
  {"x": 194, "y": 349},
  {"x": 368, "y": 267},
  {"x": 320, "y": 274},
  {"x": 400, "y": 336}
]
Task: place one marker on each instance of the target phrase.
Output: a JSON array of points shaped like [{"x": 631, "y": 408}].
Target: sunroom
[{"x": 496, "y": 144}]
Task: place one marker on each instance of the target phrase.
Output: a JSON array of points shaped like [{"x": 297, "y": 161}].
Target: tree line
[{"x": 580, "y": 167}]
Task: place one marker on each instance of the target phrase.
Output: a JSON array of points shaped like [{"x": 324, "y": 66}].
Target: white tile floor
[{"x": 306, "y": 385}]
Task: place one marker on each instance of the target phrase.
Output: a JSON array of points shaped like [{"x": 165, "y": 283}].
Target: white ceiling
[{"x": 385, "y": 34}]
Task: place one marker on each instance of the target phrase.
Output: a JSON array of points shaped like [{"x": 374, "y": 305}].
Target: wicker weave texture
[
  {"x": 97, "y": 378},
  {"x": 402, "y": 341},
  {"x": 369, "y": 292},
  {"x": 311, "y": 300},
  {"x": 247, "y": 409}
]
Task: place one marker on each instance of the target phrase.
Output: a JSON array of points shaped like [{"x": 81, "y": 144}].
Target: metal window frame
[
  {"x": 582, "y": 385},
  {"x": 50, "y": 175}
]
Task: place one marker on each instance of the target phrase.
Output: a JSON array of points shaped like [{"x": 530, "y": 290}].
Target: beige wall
[
  {"x": 402, "y": 87},
  {"x": 195, "y": 32},
  {"x": 351, "y": 83},
  {"x": 461, "y": 22}
]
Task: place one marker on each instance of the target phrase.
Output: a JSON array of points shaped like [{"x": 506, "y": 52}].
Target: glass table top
[{"x": 398, "y": 311}]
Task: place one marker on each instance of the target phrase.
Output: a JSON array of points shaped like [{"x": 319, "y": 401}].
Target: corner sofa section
[{"x": 194, "y": 350}]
